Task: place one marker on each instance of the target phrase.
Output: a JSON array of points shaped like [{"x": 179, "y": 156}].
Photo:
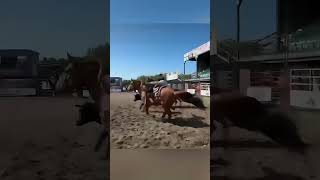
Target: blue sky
[
  {"x": 54, "y": 27},
  {"x": 151, "y": 36}
]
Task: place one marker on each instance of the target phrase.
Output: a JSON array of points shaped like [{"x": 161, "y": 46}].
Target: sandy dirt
[
  {"x": 160, "y": 164},
  {"x": 131, "y": 128},
  {"x": 39, "y": 140},
  {"x": 252, "y": 156}
]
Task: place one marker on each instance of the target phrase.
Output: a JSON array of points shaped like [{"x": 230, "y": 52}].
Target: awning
[
  {"x": 198, "y": 79},
  {"x": 190, "y": 56},
  {"x": 174, "y": 81}
]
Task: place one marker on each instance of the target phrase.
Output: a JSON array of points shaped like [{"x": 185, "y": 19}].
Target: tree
[
  {"x": 184, "y": 76},
  {"x": 101, "y": 52},
  {"x": 151, "y": 78},
  {"x": 126, "y": 84},
  {"x": 143, "y": 78},
  {"x": 52, "y": 60}
]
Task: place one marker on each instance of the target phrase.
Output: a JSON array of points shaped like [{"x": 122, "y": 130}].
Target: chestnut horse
[
  {"x": 90, "y": 74},
  {"x": 167, "y": 97}
]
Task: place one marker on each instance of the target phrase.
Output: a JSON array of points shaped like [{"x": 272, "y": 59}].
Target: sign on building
[{"x": 172, "y": 76}]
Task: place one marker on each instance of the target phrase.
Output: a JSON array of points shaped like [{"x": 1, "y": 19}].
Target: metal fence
[{"x": 305, "y": 79}]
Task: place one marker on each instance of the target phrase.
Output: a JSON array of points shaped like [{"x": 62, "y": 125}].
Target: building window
[
  {"x": 304, "y": 79},
  {"x": 8, "y": 62},
  {"x": 21, "y": 59}
]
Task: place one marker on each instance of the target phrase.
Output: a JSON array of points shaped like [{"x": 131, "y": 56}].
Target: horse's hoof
[{"x": 164, "y": 120}]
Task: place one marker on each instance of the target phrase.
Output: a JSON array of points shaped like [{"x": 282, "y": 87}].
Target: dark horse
[
  {"x": 90, "y": 74},
  {"x": 248, "y": 113},
  {"x": 167, "y": 97}
]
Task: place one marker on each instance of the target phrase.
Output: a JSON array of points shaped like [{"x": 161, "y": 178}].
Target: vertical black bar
[{"x": 238, "y": 31}]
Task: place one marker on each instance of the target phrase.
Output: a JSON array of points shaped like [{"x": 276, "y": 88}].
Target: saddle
[{"x": 157, "y": 90}]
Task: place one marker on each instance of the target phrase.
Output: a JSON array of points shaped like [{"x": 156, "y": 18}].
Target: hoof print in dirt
[
  {"x": 4, "y": 173},
  {"x": 164, "y": 120}
]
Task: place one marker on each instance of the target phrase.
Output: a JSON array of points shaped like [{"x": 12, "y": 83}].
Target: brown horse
[
  {"x": 89, "y": 74},
  {"x": 167, "y": 97},
  {"x": 138, "y": 86},
  {"x": 248, "y": 113}
]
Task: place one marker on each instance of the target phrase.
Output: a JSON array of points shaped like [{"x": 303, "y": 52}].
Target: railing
[{"x": 305, "y": 79}]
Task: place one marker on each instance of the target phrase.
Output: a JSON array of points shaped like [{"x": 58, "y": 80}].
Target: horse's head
[
  {"x": 130, "y": 88},
  {"x": 88, "y": 112},
  {"x": 137, "y": 97},
  {"x": 136, "y": 85}
]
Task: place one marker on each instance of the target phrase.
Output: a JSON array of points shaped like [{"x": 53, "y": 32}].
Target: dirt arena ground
[
  {"x": 131, "y": 128},
  {"x": 160, "y": 164},
  {"x": 251, "y": 156},
  {"x": 39, "y": 140}
]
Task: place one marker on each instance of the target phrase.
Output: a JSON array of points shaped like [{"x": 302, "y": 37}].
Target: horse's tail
[
  {"x": 190, "y": 98},
  {"x": 102, "y": 137}
]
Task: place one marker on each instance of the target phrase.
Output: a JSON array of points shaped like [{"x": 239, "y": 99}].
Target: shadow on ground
[{"x": 194, "y": 121}]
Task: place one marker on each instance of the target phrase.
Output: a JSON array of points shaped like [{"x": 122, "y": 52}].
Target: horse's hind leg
[
  {"x": 141, "y": 105},
  {"x": 164, "y": 111},
  {"x": 167, "y": 111},
  {"x": 175, "y": 103},
  {"x": 146, "y": 106},
  {"x": 102, "y": 137},
  {"x": 169, "y": 114},
  {"x": 163, "y": 114}
]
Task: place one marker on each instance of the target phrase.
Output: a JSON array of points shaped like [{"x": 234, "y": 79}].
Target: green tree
[
  {"x": 184, "y": 76},
  {"x": 126, "y": 84},
  {"x": 143, "y": 78}
]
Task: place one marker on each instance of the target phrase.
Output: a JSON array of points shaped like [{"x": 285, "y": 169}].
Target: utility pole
[
  {"x": 239, "y": 2},
  {"x": 285, "y": 95},
  {"x": 235, "y": 64}
]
